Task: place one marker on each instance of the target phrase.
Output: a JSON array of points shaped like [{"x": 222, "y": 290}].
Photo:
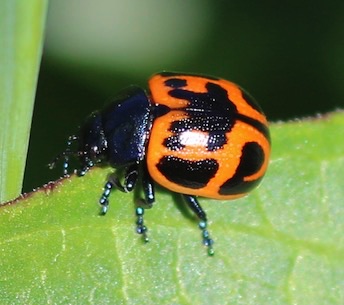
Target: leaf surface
[{"x": 282, "y": 244}]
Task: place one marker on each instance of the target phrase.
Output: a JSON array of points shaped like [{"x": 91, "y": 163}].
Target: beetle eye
[{"x": 94, "y": 153}]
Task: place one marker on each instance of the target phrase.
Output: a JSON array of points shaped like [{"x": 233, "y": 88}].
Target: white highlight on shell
[{"x": 194, "y": 138}]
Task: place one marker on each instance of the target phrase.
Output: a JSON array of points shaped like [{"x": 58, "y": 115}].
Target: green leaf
[
  {"x": 283, "y": 244},
  {"x": 21, "y": 37}
]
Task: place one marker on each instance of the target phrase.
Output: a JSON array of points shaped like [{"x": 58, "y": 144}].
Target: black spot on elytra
[
  {"x": 256, "y": 124},
  {"x": 216, "y": 141},
  {"x": 160, "y": 110},
  {"x": 251, "y": 101},
  {"x": 175, "y": 82},
  {"x": 191, "y": 174},
  {"x": 251, "y": 161},
  {"x": 210, "y": 112},
  {"x": 173, "y": 143}
]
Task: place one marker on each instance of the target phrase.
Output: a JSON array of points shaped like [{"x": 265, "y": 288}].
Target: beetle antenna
[{"x": 65, "y": 155}]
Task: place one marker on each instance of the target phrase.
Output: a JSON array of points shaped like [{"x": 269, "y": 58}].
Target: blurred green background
[{"x": 288, "y": 55}]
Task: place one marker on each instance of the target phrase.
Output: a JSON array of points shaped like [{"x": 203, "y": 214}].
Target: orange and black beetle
[{"x": 194, "y": 135}]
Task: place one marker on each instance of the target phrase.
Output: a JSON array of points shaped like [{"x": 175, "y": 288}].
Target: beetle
[{"x": 195, "y": 135}]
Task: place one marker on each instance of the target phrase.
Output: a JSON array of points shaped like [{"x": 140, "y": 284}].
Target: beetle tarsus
[
  {"x": 194, "y": 205},
  {"x": 206, "y": 239},
  {"x": 104, "y": 199},
  {"x": 141, "y": 228}
]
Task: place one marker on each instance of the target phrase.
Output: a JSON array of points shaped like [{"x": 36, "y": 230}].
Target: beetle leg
[
  {"x": 194, "y": 205},
  {"x": 148, "y": 190},
  {"x": 148, "y": 187},
  {"x": 131, "y": 176},
  {"x": 87, "y": 165},
  {"x": 129, "y": 184},
  {"x": 140, "y": 226},
  {"x": 104, "y": 199}
]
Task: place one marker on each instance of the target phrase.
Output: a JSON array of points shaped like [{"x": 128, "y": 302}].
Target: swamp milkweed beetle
[{"x": 193, "y": 134}]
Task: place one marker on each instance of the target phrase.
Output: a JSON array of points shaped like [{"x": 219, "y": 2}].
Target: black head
[
  {"x": 92, "y": 143},
  {"x": 116, "y": 135}
]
